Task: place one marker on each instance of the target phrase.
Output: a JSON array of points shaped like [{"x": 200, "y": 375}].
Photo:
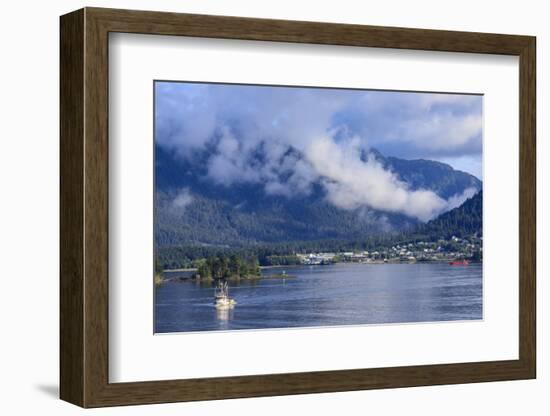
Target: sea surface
[{"x": 334, "y": 295}]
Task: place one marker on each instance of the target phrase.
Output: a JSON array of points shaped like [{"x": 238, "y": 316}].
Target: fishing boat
[
  {"x": 459, "y": 263},
  {"x": 221, "y": 297}
]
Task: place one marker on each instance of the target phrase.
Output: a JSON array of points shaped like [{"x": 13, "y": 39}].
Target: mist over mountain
[
  {"x": 194, "y": 205},
  {"x": 462, "y": 221}
]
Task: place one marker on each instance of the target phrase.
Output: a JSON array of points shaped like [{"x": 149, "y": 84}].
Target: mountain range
[{"x": 193, "y": 211}]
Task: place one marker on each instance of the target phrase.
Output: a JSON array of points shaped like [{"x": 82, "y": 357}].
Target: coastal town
[
  {"x": 454, "y": 250},
  {"x": 422, "y": 251}
]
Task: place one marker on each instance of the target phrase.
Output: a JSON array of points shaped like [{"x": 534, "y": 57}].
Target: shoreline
[{"x": 375, "y": 262}]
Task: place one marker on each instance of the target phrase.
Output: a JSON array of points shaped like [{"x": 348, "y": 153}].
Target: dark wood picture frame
[{"x": 84, "y": 207}]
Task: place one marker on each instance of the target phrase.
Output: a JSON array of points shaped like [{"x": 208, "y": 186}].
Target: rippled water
[{"x": 341, "y": 294}]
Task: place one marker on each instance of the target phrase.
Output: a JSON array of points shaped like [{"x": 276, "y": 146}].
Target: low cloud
[
  {"x": 352, "y": 183},
  {"x": 289, "y": 139},
  {"x": 182, "y": 199},
  {"x": 458, "y": 199}
]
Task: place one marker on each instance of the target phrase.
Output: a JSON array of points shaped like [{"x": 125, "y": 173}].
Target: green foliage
[
  {"x": 204, "y": 271},
  {"x": 266, "y": 254},
  {"x": 242, "y": 216},
  {"x": 461, "y": 222},
  {"x": 227, "y": 267},
  {"x": 235, "y": 260}
]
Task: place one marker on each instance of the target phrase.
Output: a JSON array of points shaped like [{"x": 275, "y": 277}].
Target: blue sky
[
  {"x": 331, "y": 127},
  {"x": 444, "y": 127}
]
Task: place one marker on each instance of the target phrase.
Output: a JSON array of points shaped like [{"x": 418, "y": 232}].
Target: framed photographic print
[{"x": 255, "y": 207}]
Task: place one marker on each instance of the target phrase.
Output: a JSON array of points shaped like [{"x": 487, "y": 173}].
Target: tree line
[
  {"x": 228, "y": 267},
  {"x": 466, "y": 220}
]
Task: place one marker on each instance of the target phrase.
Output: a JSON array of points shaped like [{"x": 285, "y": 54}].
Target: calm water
[{"x": 342, "y": 294}]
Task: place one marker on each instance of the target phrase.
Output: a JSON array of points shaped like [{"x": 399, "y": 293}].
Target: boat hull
[{"x": 459, "y": 263}]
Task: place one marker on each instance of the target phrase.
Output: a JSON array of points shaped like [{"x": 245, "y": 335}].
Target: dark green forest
[
  {"x": 462, "y": 221},
  {"x": 217, "y": 221},
  {"x": 243, "y": 214},
  {"x": 227, "y": 267},
  {"x": 174, "y": 257}
]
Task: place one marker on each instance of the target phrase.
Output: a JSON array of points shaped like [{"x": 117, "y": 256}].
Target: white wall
[{"x": 29, "y": 208}]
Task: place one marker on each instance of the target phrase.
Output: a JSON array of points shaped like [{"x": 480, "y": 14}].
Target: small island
[{"x": 232, "y": 268}]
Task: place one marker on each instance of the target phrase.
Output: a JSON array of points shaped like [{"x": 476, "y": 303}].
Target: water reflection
[
  {"x": 224, "y": 314},
  {"x": 341, "y": 294}
]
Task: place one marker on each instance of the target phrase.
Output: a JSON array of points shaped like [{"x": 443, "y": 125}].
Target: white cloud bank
[
  {"x": 352, "y": 183},
  {"x": 307, "y": 136},
  {"x": 182, "y": 199}
]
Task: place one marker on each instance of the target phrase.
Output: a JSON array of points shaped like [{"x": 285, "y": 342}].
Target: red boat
[{"x": 459, "y": 263}]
